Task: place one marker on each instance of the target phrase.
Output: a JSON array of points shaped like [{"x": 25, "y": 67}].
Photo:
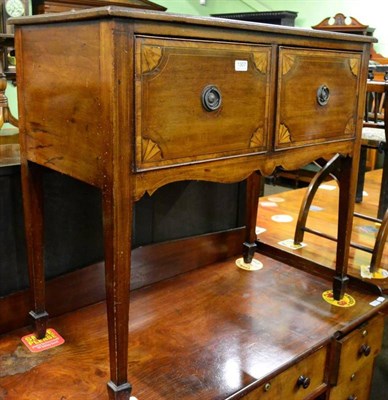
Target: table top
[{"x": 111, "y": 11}]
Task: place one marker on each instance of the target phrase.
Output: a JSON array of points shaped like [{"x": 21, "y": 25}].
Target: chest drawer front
[
  {"x": 357, "y": 353},
  {"x": 176, "y": 81},
  {"x": 360, "y": 347},
  {"x": 289, "y": 384},
  {"x": 355, "y": 386},
  {"x": 317, "y": 96}
]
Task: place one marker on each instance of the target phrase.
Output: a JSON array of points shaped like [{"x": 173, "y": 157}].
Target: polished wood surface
[
  {"x": 335, "y": 121},
  {"x": 55, "y": 6},
  {"x": 98, "y": 121},
  {"x": 170, "y": 68},
  {"x": 214, "y": 333}
]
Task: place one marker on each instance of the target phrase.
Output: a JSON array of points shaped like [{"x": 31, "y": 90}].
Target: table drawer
[
  {"x": 198, "y": 101},
  {"x": 357, "y": 351},
  {"x": 289, "y": 384},
  {"x": 356, "y": 385},
  {"x": 317, "y": 96}
]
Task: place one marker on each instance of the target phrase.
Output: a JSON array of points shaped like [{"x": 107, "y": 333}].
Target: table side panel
[{"x": 60, "y": 99}]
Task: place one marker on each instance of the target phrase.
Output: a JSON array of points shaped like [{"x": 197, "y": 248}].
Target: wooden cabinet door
[
  {"x": 317, "y": 97},
  {"x": 173, "y": 126}
]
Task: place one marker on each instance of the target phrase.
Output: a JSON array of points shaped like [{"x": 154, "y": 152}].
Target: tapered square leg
[
  {"x": 252, "y": 204},
  {"x": 33, "y": 217},
  {"x": 122, "y": 392},
  {"x": 339, "y": 286},
  {"x": 40, "y": 323}
]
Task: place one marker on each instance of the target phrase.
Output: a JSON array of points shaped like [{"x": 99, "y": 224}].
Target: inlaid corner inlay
[
  {"x": 350, "y": 127},
  {"x": 284, "y": 134},
  {"x": 261, "y": 62},
  {"x": 354, "y": 65},
  {"x": 151, "y": 150},
  {"x": 288, "y": 62},
  {"x": 257, "y": 138},
  {"x": 151, "y": 56}
]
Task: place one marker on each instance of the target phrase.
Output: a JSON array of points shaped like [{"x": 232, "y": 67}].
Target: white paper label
[{"x": 241, "y": 65}]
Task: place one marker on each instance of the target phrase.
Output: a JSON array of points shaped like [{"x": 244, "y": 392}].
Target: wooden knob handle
[
  {"x": 303, "y": 381},
  {"x": 364, "y": 350}
]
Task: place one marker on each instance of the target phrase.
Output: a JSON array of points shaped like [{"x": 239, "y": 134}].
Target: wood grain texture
[
  {"x": 297, "y": 96},
  {"x": 210, "y": 333},
  {"x": 98, "y": 105},
  {"x": 150, "y": 264},
  {"x": 181, "y": 73}
]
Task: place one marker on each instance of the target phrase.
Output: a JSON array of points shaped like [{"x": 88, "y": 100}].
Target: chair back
[{"x": 376, "y": 111}]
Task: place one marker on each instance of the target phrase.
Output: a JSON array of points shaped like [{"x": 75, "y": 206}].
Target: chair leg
[
  {"x": 379, "y": 244},
  {"x": 330, "y": 168},
  {"x": 383, "y": 201},
  {"x": 361, "y": 174},
  {"x": 345, "y": 216}
]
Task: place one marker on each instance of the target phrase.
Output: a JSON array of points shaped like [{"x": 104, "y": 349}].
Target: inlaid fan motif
[
  {"x": 151, "y": 150},
  {"x": 150, "y": 57},
  {"x": 350, "y": 127},
  {"x": 261, "y": 62},
  {"x": 354, "y": 65},
  {"x": 284, "y": 134},
  {"x": 257, "y": 138},
  {"x": 288, "y": 62}
]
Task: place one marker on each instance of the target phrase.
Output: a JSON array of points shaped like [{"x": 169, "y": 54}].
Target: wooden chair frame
[{"x": 379, "y": 117}]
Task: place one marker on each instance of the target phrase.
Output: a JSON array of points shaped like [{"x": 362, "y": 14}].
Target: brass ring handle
[
  {"x": 323, "y": 95},
  {"x": 211, "y": 98}
]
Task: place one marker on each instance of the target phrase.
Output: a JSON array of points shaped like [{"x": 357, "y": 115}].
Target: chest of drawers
[{"x": 130, "y": 101}]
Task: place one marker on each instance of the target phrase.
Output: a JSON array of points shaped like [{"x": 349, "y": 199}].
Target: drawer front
[
  {"x": 285, "y": 385},
  {"x": 356, "y": 360},
  {"x": 317, "y": 97},
  {"x": 199, "y": 101},
  {"x": 355, "y": 385}
]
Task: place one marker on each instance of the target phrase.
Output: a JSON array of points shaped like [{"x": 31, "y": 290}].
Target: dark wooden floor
[{"x": 192, "y": 336}]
